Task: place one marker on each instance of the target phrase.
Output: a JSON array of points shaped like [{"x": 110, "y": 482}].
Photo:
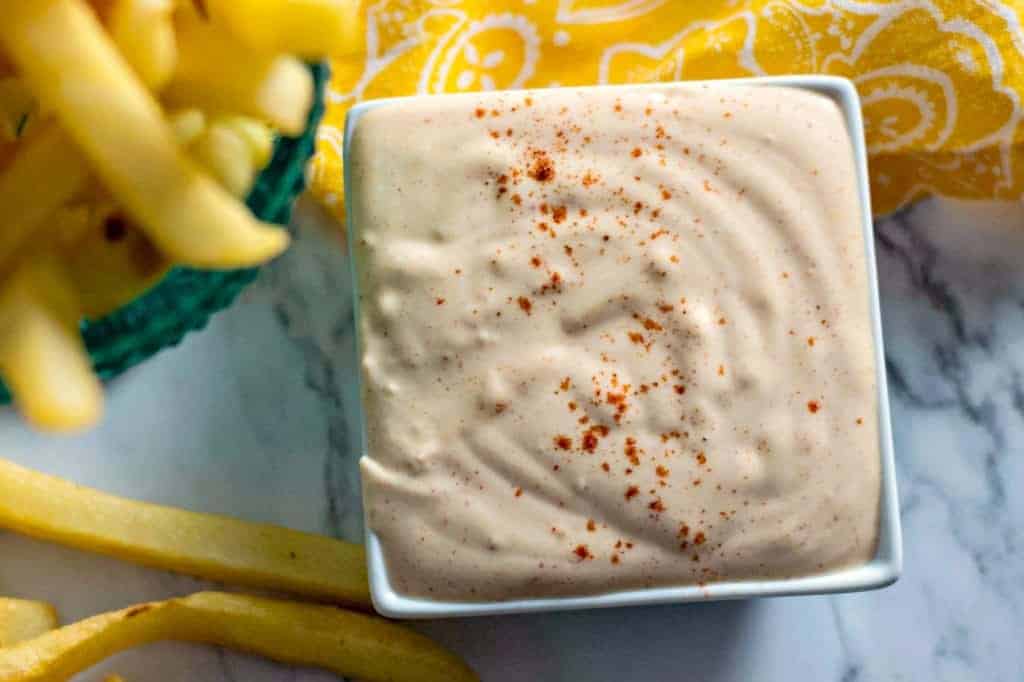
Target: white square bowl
[{"x": 882, "y": 570}]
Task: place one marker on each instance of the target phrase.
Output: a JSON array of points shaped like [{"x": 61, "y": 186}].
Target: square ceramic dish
[{"x": 882, "y": 570}]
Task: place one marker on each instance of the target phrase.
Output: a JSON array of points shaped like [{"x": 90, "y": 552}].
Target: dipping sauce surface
[{"x": 613, "y": 338}]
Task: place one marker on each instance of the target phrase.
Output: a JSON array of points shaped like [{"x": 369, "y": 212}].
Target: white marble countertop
[{"x": 252, "y": 417}]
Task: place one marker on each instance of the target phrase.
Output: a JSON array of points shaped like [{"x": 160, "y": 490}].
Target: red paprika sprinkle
[
  {"x": 631, "y": 451},
  {"x": 541, "y": 169}
]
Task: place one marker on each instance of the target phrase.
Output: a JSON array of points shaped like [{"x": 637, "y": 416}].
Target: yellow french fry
[
  {"x": 227, "y": 156},
  {"x": 218, "y": 74},
  {"x": 343, "y": 642},
  {"x": 64, "y": 54},
  {"x": 103, "y": 8},
  {"x": 42, "y": 357},
  {"x": 21, "y": 620},
  {"x": 203, "y": 545},
  {"x": 257, "y": 135},
  {"x": 308, "y": 28},
  {"x": 144, "y": 32},
  {"x": 7, "y": 152},
  {"x": 17, "y": 104},
  {"x": 46, "y": 171},
  {"x": 110, "y": 262},
  {"x": 188, "y": 125}
]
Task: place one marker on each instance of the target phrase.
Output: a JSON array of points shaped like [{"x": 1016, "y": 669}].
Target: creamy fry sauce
[{"x": 613, "y": 338}]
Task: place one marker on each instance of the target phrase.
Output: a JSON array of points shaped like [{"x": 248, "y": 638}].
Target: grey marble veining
[
  {"x": 311, "y": 296},
  {"x": 256, "y": 417}
]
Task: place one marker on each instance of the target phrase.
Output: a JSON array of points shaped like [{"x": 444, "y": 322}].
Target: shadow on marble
[{"x": 608, "y": 644}]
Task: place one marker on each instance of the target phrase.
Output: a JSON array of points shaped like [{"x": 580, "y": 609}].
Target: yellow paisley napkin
[{"x": 941, "y": 81}]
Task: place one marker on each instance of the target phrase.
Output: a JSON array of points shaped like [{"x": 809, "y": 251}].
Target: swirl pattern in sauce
[{"x": 613, "y": 338}]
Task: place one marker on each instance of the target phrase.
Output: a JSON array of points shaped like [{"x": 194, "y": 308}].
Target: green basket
[{"x": 184, "y": 300}]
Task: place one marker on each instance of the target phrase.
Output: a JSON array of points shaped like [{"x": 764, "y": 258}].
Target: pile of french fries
[
  {"x": 130, "y": 131},
  {"x": 33, "y": 648}
]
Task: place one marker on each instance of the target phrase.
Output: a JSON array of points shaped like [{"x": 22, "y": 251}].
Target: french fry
[
  {"x": 63, "y": 53},
  {"x": 343, "y": 642},
  {"x": 46, "y": 172},
  {"x": 17, "y": 104},
  {"x": 218, "y": 74},
  {"x": 7, "y": 153},
  {"x": 188, "y": 125},
  {"x": 144, "y": 32},
  {"x": 103, "y": 8},
  {"x": 203, "y": 545},
  {"x": 257, "y": 135},
  {"x": 21, "y": 620},
  {"x": 42, "y": 357},
  {"x": 227, "y": 156},
  {"x": 110, "y": 262},
  {"x": 308, "y": 28}
]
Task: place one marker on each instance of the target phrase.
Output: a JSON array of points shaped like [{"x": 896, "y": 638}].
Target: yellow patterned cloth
[{"x": 941, "y": 81}]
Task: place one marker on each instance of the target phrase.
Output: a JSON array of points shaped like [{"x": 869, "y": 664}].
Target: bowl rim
[{"x": 882, "y": 570}]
